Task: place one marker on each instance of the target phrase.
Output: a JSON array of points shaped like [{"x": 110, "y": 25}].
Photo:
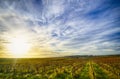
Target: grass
[
  {"x": 56, "y": 68},
  {"x": 99, "y": 74}
]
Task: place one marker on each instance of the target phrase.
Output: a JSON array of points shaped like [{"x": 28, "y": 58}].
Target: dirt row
[{"x": 97, "y": 72}]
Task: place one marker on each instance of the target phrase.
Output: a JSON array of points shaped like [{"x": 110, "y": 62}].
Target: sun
[{"x": 18, "y": 46}]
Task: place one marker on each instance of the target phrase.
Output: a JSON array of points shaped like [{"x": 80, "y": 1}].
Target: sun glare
[{"x": 19, "y": 46}]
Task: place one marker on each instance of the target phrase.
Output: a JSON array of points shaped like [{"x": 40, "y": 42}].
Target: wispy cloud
[{"x": 63, "y": 27}]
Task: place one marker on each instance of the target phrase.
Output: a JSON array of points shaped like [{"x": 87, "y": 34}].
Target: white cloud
[{"x": 61, "y": 26}]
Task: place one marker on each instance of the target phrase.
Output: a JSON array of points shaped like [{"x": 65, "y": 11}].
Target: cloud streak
[{"x": 63, "y": 27}]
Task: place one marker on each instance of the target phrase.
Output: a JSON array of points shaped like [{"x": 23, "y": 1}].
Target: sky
[{"x": 61, "y": 27}]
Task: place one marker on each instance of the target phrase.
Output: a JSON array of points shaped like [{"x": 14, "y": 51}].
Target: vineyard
[{"x": 107, "y": 67}]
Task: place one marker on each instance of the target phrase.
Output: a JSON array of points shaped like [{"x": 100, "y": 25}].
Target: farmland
[{"x": 98, "y": 67}]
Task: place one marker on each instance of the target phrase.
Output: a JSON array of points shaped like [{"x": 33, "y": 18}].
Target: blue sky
[{"x": 62, "y": 27}]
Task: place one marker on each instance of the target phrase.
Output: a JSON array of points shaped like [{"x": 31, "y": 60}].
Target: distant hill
[{"x": 82, "y": 56}]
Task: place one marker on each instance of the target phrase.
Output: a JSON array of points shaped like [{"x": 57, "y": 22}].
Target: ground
[{"x": 98, "y": 67}]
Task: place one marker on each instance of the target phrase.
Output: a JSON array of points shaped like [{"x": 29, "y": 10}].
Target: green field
[{"x": 102, "y": 67}]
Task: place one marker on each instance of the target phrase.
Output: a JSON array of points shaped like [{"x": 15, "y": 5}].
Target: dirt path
[
  {"x": 88, "y": 71},
  {"x": 91, "y": 70},
  {"x": 101, "y": 73},
  {"x": 94, "y": 71}
]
